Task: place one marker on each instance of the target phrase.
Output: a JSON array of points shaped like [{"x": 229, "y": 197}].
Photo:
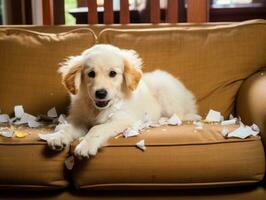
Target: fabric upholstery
[
  {"x": 27, "y": 163},
  {"x": 176, "y": 157},
  {"x": 212, "y": 61},
  {"x": 28, "y": 66},
  {"x": 251, "y": 102}
]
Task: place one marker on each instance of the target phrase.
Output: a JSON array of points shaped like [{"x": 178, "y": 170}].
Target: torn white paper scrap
[
  {"x": 225, "y": 131},
  {"x": 163, "y": 121},
  {"x": 243, "y": 132},
  {"x": 213, "y": 116},
  {"x": 141, "y": 145},
  {"x": 229, "y": 122},
  {"x": 6, "y": 132},
  {"x": 19, "y": 111},
  {"x": 69, "y": 162},
  {"x": 52, "y": 112},
  {"x": 174, "y": 120},
  {"x": 129, "y": 132},
  {"x": 25, "y": 119},
  {"x": 4, "y": 118},
  {"x": 133, "y": 131},
  {"x": 255, "y": 129},
  {"x": 33, "y": 124}
]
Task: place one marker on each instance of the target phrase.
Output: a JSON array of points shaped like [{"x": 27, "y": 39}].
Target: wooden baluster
[
  {"x": 197, "y": 11},
  {"x": 155, "y": 11},
  {"x": 92, "y": 12},
  {"x": 124, "y": 12},
  {"x": 108, "y": 12},
  {"x": 47, "y": 10},
  {"x": 172, "y": 11}
]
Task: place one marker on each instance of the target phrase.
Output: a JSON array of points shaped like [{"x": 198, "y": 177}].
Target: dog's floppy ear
[
  {"x": 132, "y": 69},
  {"x": 71, "y": 74}
]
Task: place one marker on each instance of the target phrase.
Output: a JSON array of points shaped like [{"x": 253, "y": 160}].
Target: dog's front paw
[
  {"x": 87, "y": 147},
  {"x": 58, "y": 140}
]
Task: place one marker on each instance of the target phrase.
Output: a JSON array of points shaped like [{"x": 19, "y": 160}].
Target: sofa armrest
[{"x": 251, "y": 102}]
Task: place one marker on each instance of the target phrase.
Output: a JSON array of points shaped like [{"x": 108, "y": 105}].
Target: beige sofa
[{"x": 221, "y": 63}]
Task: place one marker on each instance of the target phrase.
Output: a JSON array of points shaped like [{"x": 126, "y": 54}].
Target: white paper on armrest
[
  {"x": 174, "y": 120},
  {"x": 33, "y": 124},
  {"x": 244, "y": 132},
  {"x": 137, "y": 127},
  {"x": 52, "y": 112},
  {"x": 4, "y": 118},
  {"x": 19, "y": 111},
  {"x": 213, "y": 116},
  {"x": 229, "y": 122},
  {"x": 141, "y": 145},
  {"x": 6, "y": 132},
  {"x": 28, "y": 119},
  {"x": 69, "y": 162},
  {"x": 130, "y": 132}
]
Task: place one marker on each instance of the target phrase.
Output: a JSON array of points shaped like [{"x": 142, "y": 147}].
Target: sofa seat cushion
[
  {"x": 29, "y": 64},
  {"x": 27, "y": 163},
  {"x": 212, "y": 61},
  {"x": 175, "y": 157}
]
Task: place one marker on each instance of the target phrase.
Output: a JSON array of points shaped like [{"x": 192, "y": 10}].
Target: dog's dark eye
[
  {"x": 92, "y": 74},
  {"x": 112, "y": 74}
]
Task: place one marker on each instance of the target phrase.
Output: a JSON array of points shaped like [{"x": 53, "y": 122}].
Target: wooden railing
[{"x": 197, "y": 11}]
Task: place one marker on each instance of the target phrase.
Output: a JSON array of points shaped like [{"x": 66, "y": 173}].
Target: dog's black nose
[{"x": 101, "y": 94}]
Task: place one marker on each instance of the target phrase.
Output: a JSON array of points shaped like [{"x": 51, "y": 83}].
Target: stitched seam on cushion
[
  {"x": 188, "y": 144},
  {"x": 30, "y": 32},
  {"x": 171, "y": 184},
  {"x": 255, "y": 139},
  {"x": 184, "y": 29}
]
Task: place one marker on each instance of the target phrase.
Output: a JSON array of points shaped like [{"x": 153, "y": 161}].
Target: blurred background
[{"x": 71, "y": 12}]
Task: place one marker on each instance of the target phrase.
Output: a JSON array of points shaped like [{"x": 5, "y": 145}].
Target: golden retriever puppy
[{"x": 109, "y": 93}]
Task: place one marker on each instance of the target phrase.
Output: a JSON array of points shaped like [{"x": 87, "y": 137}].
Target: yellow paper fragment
[{"x": 21, "y": 134}]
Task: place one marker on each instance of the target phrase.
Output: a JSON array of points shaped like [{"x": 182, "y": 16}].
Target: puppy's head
[{"x": 103, "y": 74}]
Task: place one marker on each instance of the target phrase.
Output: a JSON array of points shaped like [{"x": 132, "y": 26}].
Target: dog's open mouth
[{"x": 102, "y": 103}]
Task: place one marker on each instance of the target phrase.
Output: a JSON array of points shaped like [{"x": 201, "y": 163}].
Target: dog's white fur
[{"x": 132, "y": 95}]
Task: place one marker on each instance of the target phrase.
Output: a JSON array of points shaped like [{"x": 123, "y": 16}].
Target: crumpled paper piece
[
  {"x": 141, "y": 145},
  {"x": 69, "y": 162},
  {"x": 146, "y": 122},
  {"x": 52, "y": 113},
  {"x": 242, "y": 132},
  {"x": 7, "y": 132},
  {"x": 214, "y": 116},
  {"x": 4, "y": 118},
  {"x": 229, "y": 122},
  {"x": 137, "y": 127}
]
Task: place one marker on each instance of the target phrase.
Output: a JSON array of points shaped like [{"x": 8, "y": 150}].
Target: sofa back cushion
[
  {"x": 212, "y": 61},
  {"x": 28, "y": 67}
]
